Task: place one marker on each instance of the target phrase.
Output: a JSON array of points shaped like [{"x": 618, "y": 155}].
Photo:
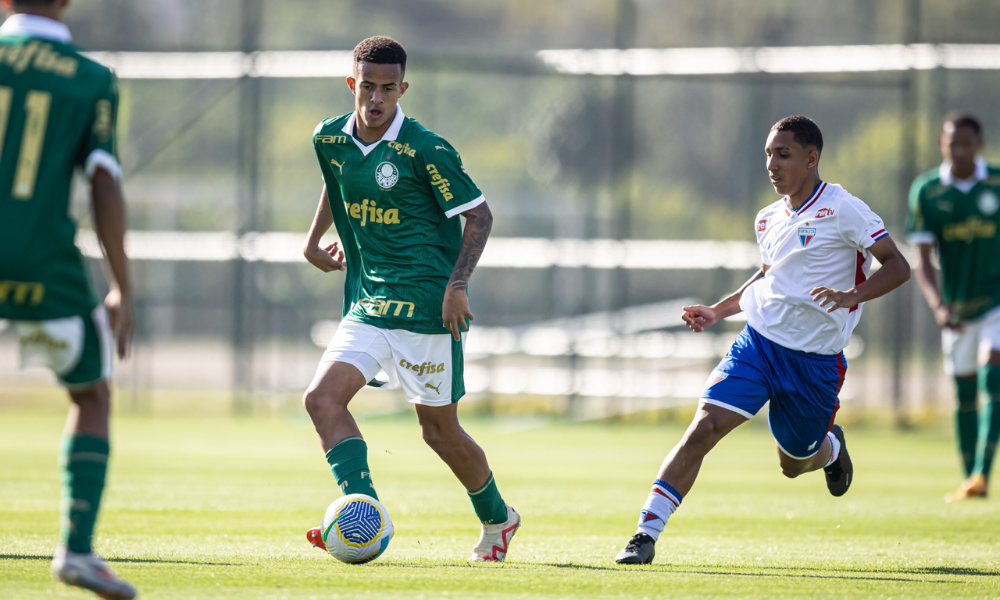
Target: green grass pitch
[{"x": 218, "y": 508}]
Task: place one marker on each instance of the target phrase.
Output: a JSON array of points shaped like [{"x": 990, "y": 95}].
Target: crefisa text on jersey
[{"x": 440, "y": 183}]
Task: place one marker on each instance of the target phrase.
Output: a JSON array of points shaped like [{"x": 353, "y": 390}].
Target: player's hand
[
  {"x": 836, "y": 298},
  {"x": 946, "y": 318},
  {"x": 455, "y": 311},
  {"x": 119, "y": 307},
  {"x": 326, "y": 259},
  {"x": 698, "y": 317}
]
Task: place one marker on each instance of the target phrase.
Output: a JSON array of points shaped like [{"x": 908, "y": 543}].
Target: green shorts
[{"x": 79, "y": 350}]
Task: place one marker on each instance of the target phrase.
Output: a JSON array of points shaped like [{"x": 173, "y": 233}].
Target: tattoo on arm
[{"x": 478, "y": 223}]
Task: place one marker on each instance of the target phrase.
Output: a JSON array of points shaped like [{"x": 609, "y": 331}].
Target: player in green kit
[
  {"x": 57, "y": 112},
  {"x": 394, "y": 192},
  {"x": 956, "y": 209}
]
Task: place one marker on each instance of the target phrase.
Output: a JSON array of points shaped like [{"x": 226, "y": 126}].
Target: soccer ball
[{"x": 356, "y": 529}]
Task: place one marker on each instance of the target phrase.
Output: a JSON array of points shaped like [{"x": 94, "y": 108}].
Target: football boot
[
  {"x": 89, "y": 572},
  {"x": 839, "y": 474},
  {"x": 973, "y": 487},
  {"x": 639, "y": 550},
  {"x": 315, "y": 537},
  {"x": 495, "y": 539}
]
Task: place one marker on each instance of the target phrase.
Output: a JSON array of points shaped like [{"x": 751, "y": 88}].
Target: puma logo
[
  {"x": 436, "y": 388},
  {"x": 440, "y": 148},
  {"x": 339, "y": 165}
]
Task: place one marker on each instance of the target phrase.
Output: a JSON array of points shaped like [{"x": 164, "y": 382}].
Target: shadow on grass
[
  {"x": 796, "y": 572},
  {"x": 122, "y": 560}
]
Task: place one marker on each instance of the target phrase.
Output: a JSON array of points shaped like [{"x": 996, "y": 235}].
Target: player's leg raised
[{"x": 326, "y": 400}]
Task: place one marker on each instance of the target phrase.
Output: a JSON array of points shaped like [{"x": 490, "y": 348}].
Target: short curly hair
[
  {"x": 804, "y": 129},
  {"x": 960, "y": 118},
  {"x": 380, "y": 50}
]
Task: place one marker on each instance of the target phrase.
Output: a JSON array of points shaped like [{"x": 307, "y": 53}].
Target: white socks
[
  {"x": 662, "y": 501},
  {"x": 834, "y": 449}
]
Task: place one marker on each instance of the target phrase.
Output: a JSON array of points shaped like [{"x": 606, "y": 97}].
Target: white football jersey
[{"x": 822, "y": 244}]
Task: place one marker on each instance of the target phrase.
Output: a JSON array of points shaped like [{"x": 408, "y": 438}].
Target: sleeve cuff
[
  {"x": 104, "y": 160},
  {"x": 464, "y": 207},
  {"x": 873, "y": 236},
  {"x": 921, "y": 237}
]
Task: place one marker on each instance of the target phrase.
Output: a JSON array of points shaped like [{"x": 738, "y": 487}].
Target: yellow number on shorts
[{"x": 36, "y": 105}]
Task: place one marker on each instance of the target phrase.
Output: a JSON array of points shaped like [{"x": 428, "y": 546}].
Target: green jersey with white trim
[
  {"x": 963, "y": 226},
  {"x": 396, "y": 206},
  {"x": 57, "y": 112}
]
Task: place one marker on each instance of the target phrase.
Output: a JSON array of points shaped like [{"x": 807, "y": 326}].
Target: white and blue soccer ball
[{"x": 356, "y": 529}]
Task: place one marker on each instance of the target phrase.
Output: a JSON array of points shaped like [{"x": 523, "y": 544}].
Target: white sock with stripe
[
  {"x": 662, "y": 501},
  {"x": 834, "y": 449}
]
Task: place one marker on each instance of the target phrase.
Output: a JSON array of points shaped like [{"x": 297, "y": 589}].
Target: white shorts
[
  {"x": 79, "y": 350},
  {"x": 429, "y": 368},
  {"x": 962, "y": 349}
]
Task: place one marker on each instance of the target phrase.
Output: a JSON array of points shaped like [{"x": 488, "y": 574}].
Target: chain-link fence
[{"x": 619, "y": 194}]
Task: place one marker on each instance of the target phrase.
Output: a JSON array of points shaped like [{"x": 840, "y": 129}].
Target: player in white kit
[{"x": 816, "y": 244}]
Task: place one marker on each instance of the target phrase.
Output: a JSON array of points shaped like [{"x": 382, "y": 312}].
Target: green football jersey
[
  {"x": 56, "y": 109},
  {"x": 963, "y": 226},
  {"x": 395, "y": 205}
]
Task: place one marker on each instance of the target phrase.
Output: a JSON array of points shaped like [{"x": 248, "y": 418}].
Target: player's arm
[
  {"x": 99, "y": 158},
  {"x": 698, "y": 317},
  {"x": 109, "y": 220},
  {"x": 927, "y": 278},
  {"x": 894, "y": 272},
  {"x": 455, "y": 310},
  {"x": 921, "y": 234},
  {"x": 330, "y": 258}
]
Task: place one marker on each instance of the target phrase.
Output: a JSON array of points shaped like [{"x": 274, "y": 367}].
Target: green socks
[
  {"x": 989, "y": 420},
  {"x": 489, "y": 506},
  {"x": 349, "y": 462},
  {"x": 83, "y": 459},
  {"x": 966, "y": 421}
]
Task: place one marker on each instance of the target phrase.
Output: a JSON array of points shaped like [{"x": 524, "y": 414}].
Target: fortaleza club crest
[
  {"x": 386, "y": 175},
  {"x": 806, "y": 234}
]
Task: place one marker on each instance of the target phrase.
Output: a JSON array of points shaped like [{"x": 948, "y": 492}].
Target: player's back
[{"x": 56, "y": 112}]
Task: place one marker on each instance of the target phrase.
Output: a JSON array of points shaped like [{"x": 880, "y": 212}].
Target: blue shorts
[{"x": 801, "y": 386}]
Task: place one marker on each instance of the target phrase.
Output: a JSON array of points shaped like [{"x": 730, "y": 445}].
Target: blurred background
[{"x": 620, "y": 146}]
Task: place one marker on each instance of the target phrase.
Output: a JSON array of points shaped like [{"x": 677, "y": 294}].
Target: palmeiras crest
[
  {"x": 988, "y": 203},
  {"x": 386, "y": 175}
]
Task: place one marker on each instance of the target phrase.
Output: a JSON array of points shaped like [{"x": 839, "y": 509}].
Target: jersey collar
[
  {"x": 36, "y": 26},
  {"x": 820, "y": 188},
  {"x": 948, "y": 179},
  {"x": 390, "y": 134}
]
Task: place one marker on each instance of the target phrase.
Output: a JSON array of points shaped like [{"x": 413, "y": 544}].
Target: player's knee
[
  {"x": 96, "y": 398},
  {"x": 433, "y": 436},
  {"x": 703, "y": 435},
  {"x": 790, "y": 472},
  {"x": 310, "y": 400},
  {"x": 790, "y": 467},
  {"x": 317, "y": 402}
]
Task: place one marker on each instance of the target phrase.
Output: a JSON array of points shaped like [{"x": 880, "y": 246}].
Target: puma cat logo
[
  {"x": 436, "y": 388},
  {"x": 440, "y": 148},
  {"x": 339, "y": 165}
]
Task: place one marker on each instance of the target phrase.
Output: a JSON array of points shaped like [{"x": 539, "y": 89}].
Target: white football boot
[
  {"x": 495, "y": 539},
  {"x": 89, "y": 572}
]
